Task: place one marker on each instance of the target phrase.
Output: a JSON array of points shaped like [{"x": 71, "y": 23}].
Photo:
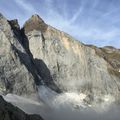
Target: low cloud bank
[{"x": 65, "y": 106}]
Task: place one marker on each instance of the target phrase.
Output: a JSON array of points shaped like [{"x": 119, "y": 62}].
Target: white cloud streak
[
  {"x": 76, "y": 15},
  {"x": 26, "y": 6},
  {"x": 88, "y": 28}
]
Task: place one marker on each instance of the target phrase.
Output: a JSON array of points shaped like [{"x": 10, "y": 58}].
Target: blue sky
[{"x": 90, "y": 21}]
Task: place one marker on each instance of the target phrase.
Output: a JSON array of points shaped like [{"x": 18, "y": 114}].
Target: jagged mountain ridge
[{"x": 40, "y": 54}]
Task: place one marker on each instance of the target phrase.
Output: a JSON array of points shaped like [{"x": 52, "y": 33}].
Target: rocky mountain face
[
  {"x": 39, "y": 54},
  {"x": 9, "y": 112},
  {"x": 69, "y": 65},
  {"x": 17, "y": 72}
]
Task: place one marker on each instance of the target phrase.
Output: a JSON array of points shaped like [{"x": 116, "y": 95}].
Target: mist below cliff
[
  {"x": 54, "y": 106},
  {"x": 71, "y": 105}
]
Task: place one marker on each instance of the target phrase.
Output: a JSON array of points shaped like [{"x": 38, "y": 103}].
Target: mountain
[
  {"x": 70, "y": 65},
  {"x": 41, "y": 59}
]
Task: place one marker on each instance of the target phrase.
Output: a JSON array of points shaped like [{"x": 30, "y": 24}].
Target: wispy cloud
[
  {"x": 26, "y": 6},
  {"x": 97, "y": 32},
  {"x": 91, "y": 21},
  {"x": 76, "y": 15},
  {"x": 28, "y": 9},
  {"x": 88, "y": 33}
]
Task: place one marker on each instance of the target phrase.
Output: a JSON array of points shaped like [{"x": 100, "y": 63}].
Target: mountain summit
[{"x": 35, "y": 23}]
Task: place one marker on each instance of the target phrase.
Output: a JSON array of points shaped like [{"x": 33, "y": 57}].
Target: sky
[{"x": 90, "y": 21}]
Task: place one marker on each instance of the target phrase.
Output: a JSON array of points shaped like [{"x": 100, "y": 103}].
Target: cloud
[
  {"x": 26, "y": 6},
  {"x": 91, "y": 21},
  {"x": 27, "y": 9},
  {"x": 75, "y": 17},
  {"x": 99, "y": 31},
  {"x": 89, "y": 31}
]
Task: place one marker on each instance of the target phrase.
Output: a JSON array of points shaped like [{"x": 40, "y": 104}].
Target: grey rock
[
  {"x": 72, "y": 65},
  {"x": 17, "y": 74}
]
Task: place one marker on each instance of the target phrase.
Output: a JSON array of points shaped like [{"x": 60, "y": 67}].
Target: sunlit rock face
[{"x": 69, "y": 65}]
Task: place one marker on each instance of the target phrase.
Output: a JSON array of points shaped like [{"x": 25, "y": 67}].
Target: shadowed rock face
[
  {"x": 10, "y": 112},
  {"x": 40, "y": 54}
]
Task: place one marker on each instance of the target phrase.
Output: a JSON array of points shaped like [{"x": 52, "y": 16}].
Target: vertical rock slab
[{"x": 15, "y": 63}]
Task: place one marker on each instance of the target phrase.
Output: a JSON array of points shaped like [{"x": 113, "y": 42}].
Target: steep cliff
[
  {"x": 71, "y": 65},
  {"x": 17, "y": 72}
]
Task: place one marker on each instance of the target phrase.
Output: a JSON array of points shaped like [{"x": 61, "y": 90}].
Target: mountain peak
[
  {"x": 14, "y": 24},
  {"x": 35, "y": 22},
  {"x": 36, "y": 17}
]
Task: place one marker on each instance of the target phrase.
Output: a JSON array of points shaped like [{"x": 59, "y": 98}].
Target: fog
[{"x": 64, "y": 106}]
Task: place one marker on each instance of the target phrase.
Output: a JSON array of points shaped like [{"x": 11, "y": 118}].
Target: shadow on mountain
[
  {"x": 45, "y": 74},
  {"x": 43, "y": 70},
  {"x": 38, "y": 69}
]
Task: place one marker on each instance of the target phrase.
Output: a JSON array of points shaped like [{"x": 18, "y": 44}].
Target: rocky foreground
[
  {"x": 39, "y": 54},
  {"x": 10, "y": 112}
]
